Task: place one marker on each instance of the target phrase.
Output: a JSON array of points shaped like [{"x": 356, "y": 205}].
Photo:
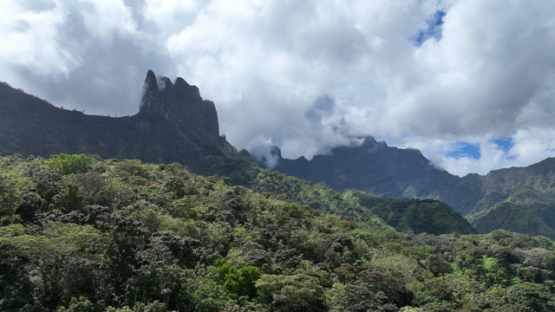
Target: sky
[{"x": 470, "y": 83}]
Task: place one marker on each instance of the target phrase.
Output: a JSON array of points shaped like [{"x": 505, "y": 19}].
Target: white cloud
[
  {"x": 492, "y": 157},
  {"x": 104, "y": 19},
  {"x": 533, "y": 145},
  {"x": 30, "y": 39},
  {"x": 266, "y": 63}
]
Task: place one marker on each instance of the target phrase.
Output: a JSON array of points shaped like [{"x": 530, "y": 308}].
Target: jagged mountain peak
[
  {"x": 275, "y": 151},
  {"x": 174, "y": 124},
  {"x": 180, "y": 103}
]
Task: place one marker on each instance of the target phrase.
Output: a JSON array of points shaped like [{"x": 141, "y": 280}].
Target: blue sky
[
  {"x": 472, "y": 150},
  {"x": 464, "y": 149},
  {"x": 505, "y": 144},
  {"x": 433, "y": 29}
]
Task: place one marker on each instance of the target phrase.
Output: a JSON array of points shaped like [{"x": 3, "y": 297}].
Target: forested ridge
[
  {"x": 79, "y": 233},
  {"x": 515, "y": 199},
  {"x": 175, "y": 124}
]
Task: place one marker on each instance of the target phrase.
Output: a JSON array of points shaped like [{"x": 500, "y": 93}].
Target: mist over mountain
[
  {"x": 175, "y": 124},
  {"x": 382, "y": 170},
  {"x": 270, "y": 187}
]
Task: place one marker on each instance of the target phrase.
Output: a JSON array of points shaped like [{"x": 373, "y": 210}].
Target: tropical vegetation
[{"x": 78, "y": 233}]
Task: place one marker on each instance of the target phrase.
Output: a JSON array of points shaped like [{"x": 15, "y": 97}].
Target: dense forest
[{"x": 78, "y": 233}]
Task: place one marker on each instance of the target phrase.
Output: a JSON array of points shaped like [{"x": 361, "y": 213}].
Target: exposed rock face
[
  {"x": 180, "y": 104},
  {"x": 174, "y": 124}
]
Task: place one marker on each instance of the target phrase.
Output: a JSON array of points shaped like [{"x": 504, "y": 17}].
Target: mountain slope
[
  {"x": 405, "y": 215},
  {"x": 532, "y": 187},
  {"x": 386, "y": 171},
  {"x": 125, "y": 236},
  {"x": 507, "y": 215},
  {"x": 414, "y": 215},
  {"x": 376, "y": 168},
  {"x": 174, "y": 124}
]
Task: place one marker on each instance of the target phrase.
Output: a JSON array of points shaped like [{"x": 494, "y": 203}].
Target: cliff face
[
  {"x": 174, "y": 124},
  {"x": 180, "y": 104}
]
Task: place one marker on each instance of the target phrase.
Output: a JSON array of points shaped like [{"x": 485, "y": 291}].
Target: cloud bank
[{"x": 307, "y": 75}]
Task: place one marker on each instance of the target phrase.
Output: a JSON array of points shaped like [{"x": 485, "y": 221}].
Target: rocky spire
[{"x": 179, "y": 103}]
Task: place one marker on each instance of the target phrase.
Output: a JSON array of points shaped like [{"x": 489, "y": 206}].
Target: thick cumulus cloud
[
  {"x": 308, "y": 75},
  {"x": 88, "y": 55}
]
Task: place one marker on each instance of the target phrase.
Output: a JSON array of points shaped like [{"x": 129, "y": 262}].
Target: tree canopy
[{"x": 126, "y": 236}]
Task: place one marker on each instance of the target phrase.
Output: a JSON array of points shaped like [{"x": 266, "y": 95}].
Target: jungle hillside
[{"x": 79, "y": 233}]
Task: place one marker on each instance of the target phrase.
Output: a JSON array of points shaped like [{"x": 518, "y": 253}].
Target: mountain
[
  {"x": 528, "y": 191},
  {"x": 415, "y": 215},
  {"x": 181, "y": 105},
  {"x": 386, "y": 171},
  {"x": 506, "y": 215},
  {"x": 174, "y": 124},
  {"x": 378, "y": 169},
  {"x": 405, "y": 215}
]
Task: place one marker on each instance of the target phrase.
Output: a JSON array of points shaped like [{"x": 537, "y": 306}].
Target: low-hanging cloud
[{"x": 308, "y": 75}]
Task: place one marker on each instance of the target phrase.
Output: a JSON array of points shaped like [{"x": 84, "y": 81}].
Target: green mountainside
[
  {"x": 414, "y": 215},
  {"x": 174, "y": 124},
  {"x": 531, "y": 188},
  {"x": 407, "y": 215},
  {"x": 507, "y": 215},
  {"x": 378, "y": 169},
  {"x": 78, "y": 233}
]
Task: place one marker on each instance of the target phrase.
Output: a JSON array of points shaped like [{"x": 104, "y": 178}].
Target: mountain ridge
[
  {"x": 32, "y": 126},
  {"x": 378, "y": 169},
  {"x": 180, "y": 104},
  {"x": 174, "y": 124}
]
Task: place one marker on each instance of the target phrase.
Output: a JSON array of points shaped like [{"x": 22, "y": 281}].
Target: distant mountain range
[
  {"x": 516, "y": 199},
  {"x": 174, "y": 124}
]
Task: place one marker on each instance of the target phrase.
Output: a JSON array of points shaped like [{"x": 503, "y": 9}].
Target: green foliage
[
  {"x": 490, "y": 264},
  {"x": 8, "y": 198},
  {"x": 413, "y": 215},
  {"x": 357, "y": 297},
  {"x": 48, "y": 255},
  {"x": 291, "y": 292},
  {"x": 30, "y": 204},
  {"x": 69, "y": 164},
  {"x": 143, "y": 237},
  {"x": 238, "y": 282},
  {"x": 78, "y": 305}
]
